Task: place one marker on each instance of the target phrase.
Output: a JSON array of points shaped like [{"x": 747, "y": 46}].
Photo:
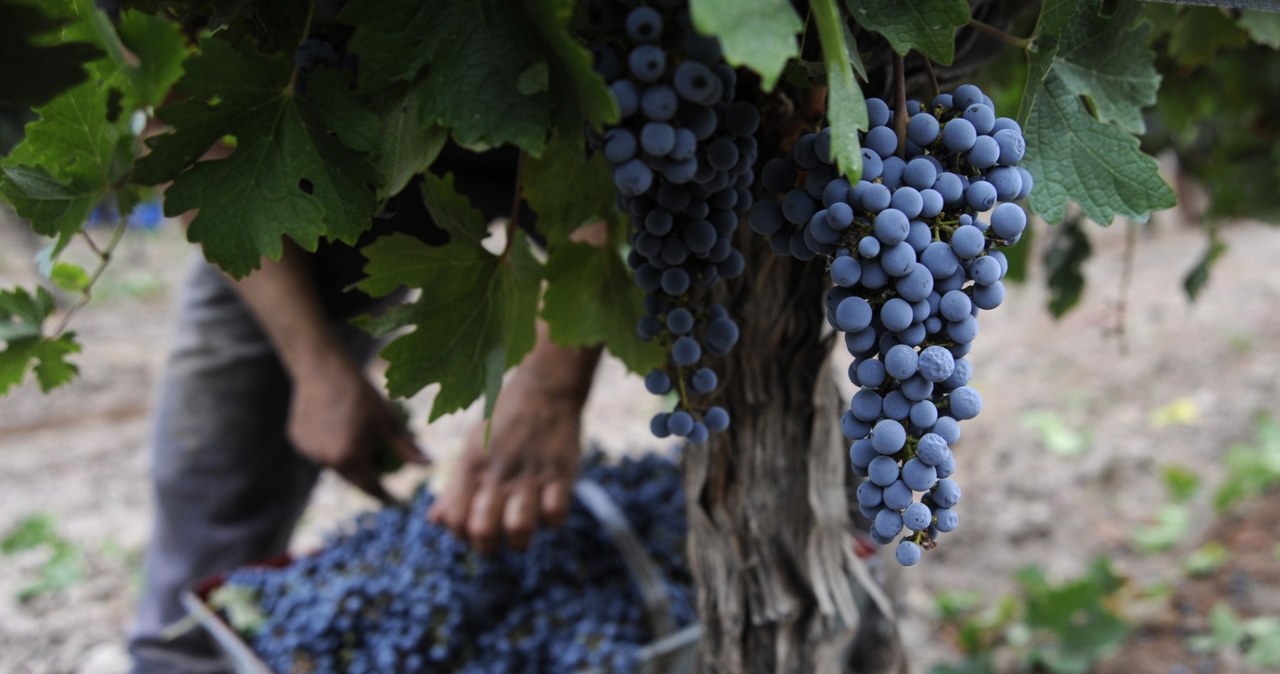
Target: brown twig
[
  {"x": 992, "y": 31},
  {"x": 933, "y": 77},
  {"x": 1126, "y": 283},
  {"x": 900, "y": 103},
  {"x": 516, "y": 197}
]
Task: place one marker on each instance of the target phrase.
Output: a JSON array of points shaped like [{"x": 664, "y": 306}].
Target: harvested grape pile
[{"x": 397, "y": 593}]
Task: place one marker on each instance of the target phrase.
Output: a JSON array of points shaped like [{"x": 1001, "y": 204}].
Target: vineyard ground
[{"x": 1064, "y": 465}]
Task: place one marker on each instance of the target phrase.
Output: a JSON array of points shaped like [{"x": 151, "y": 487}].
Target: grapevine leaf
[
  {"x": 846, "y": 108},
  {"x": 758, "y": 34},
  {"x": 1074, "y": 156},
  {"x": 927, "y": 26},
  {"x": 1198, "y": 277},
  {"x": 405, "y": 146},
  {"x": 1102, "y": 58},
  {"x": 591, "y": 299},
  {"x": 388, "y": 38},
  {"x": 52, "y": 208},
  {"x": 1201, "y": 32},
  {"x": 567, "y": 188},
  {"x": 575, "y": 77},
  {"x": 329, "y": 97},
  {"x": 451, "y": 211},
  {"x": 1263, "y": 27},
  {"x": 159, "y": 49},
  {"x": 288, "y": 176},
  {"x": 22, "y": 317},
  {"x": 1105, "y": 58},
  {"x": 473, "y": 303},
  {"x": 37, "y": 72},
  {"x": 67, "y": 161},
  {"x": 476, "y": 51},
  {"x": 1064, "y": 261},
  {"x": 1053, "y": 19}
]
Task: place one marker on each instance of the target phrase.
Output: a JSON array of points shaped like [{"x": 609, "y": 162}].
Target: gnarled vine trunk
[{"x": 769, "y": 518}]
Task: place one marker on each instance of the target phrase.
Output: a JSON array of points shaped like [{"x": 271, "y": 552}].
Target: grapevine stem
[
  {"x": 306, "y": 34},
  {"x": 933, "y": 77},
  {"x": 992, "y": 31},
  {"x": 900, "y": 103},
  {"x": 104, "y": 258},
  {"x": 1126, "y": 282},
  {"x": 517, "y": 196}
]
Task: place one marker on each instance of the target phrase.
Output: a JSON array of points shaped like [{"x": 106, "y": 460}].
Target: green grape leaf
[
  {"x": 568, "y": 188},
  {"x": 451, "y": 211},
  {"x": 1064, "y": 261},
  {"x": 758, "y": 34},
  {"x": 1054, "y": 17},
  {"x": 1263, "y": 27},
  {"x": 37, "y": 72},
  {"x": 329, "y": 98},
  {"x": 591, "y": 299},
  {"x": 476, "y": 50},
  {"x": 1105, "y": 59},
  {"x": 574, "y": 78},
  {"x": 52, "y": 208},
  {"x": 405, "y": 146},
  {"x": 1196, "y": 279},
  {"x": 846, "y": 108},
  {"x": 1201, "y": 32},
  {"x": 1074, "y": 156},
  {"x": 473, "y": 303},
  {"x": 159, "y": 47},
  {"x": 288, "y": 176},
  {"x": 927, "y": 26},
  {"x": 22, "y": 317}
]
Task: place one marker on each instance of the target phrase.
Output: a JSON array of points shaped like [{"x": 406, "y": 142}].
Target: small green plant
[
  {"x": 65, "y": 565},
  {"x": 1256, "y": 639},
  {"x": 1253, "y": 468},
  {"x": 1063, "y": 628}
]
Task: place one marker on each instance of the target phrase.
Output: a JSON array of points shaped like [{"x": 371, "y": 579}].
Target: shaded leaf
[
  {"x": 1075, "y": 157},
  {"x": 846, "y": 107},
  {"x": 758, "y": 34},
  {"x": 927, "y": 26},
  {"x": 472, "y": 305},
  {"x": 1063, "y": 260},
  {"x": 568, "y": 188},
  {"x": 36, "y": 72},
  {"x": 591, "y": 299}
]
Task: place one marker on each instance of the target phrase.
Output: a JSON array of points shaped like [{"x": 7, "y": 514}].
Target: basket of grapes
[{"x": 608, "y": 592}]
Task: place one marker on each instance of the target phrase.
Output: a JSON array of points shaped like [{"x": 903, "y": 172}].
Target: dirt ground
[{"x": 1189, "y": 382}]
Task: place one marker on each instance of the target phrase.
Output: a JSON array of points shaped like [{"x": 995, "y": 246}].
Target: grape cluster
[
  {"x": 398, "y": 594},
  {"x": 913, "y": 263},
  {"x": 682, "y": 159}
]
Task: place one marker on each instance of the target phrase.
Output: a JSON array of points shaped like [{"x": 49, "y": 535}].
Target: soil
[{"x": 79, "y": 454}]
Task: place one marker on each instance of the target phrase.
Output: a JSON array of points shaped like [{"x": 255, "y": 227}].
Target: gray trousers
[{"x": 229, "y": 488}]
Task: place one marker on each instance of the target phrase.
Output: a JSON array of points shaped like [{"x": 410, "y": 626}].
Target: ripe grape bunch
[
  {"x": 913, "y": 263},
  {"x": 682, "y": 160},
  {"x": 399, "y": 594}
]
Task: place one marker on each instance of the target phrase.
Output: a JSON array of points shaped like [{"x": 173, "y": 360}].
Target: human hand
[
  {"x": 339, "y": 420},
  {"x": 525, "y": 476}
]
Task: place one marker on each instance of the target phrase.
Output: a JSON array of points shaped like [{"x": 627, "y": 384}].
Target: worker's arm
[{"x": 337, "y": 417}]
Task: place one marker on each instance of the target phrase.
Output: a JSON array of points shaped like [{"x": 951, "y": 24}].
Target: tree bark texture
[{"x": 769, "y": 511}]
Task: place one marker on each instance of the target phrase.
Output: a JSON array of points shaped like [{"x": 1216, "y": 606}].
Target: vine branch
[
  {"x": 900, "y": 103},
  {"x": 992, "y": 31},
  {"x": 104, "y": 258},
  {"x": 933, "y": 76},
  {"x": 516, "y": 198}
]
